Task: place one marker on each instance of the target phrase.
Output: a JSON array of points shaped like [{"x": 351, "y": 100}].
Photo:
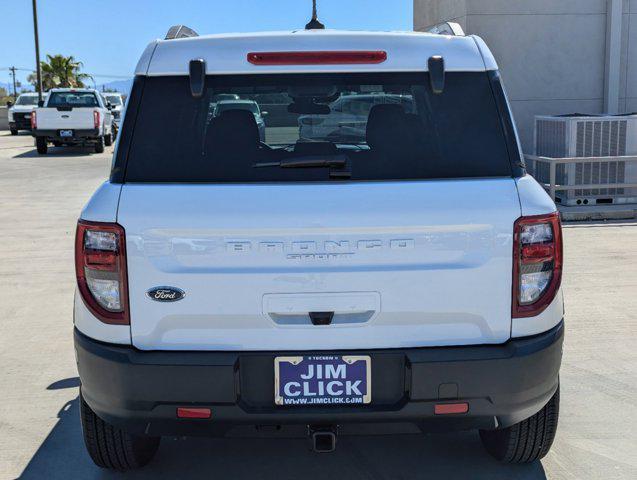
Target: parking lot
[{"x": 41, "y": 198}]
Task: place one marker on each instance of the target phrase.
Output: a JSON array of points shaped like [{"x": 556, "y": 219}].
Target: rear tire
[
  {"x": 41, "y": 145},
  {"x": 14, "y": 131},
  {"x": 99, "y": 145},
  {"x": 112, "y": 448},
  {"x": 108, "y": 140},
  {"x": 527, "y": 441}
]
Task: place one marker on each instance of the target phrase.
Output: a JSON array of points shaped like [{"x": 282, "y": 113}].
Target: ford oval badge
[{"x": 166, "y": 294}]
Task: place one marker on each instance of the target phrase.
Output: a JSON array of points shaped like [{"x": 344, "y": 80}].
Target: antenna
[{"x": 314, "y": 24}]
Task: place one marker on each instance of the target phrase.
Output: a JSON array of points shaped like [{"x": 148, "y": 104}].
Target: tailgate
[
  {"x": 401, "y": 264},
  {"x": 54, "y": 119}
]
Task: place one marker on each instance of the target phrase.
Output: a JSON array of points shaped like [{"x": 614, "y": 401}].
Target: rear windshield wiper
[{"x": 307, "y": 161}]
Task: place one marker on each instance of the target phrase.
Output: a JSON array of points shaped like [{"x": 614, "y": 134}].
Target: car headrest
[
  {"x": 315, "y": 148},
  {"x": 384, "y": 125},
  {"x": 233, "y": 130}
]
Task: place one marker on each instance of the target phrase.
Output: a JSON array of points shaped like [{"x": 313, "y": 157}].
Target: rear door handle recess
[
  {"x": 321, "y": 318},
  {"x": 321, "y": 308}
]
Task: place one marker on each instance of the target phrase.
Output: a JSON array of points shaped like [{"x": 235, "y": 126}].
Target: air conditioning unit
[{"x": 577, "y": 135}]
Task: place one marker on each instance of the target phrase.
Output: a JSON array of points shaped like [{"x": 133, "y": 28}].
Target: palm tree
[{"x": 60, "y": 71}]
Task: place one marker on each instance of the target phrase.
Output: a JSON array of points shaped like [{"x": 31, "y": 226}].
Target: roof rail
[
  {"x": 180, "y": 31},
  {"x": 447, "y": 28}
]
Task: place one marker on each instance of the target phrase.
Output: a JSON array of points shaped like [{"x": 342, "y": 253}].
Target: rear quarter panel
[
  {"x": 535, "y": 201},
  {"x": 102, "y": 207}
]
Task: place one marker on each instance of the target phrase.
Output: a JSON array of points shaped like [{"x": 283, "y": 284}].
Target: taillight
[
  {"x": 100, "y": 267},
  {"x": 34, "y": 121},
  {"x": 537, "y": 263},
  {"x": 337, "y": 57},
  {"x": 96, "y": 119}
]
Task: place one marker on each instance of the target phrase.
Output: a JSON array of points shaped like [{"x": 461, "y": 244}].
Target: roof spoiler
[
  {"x": 180, "y": 31},
  {"x": 447, "y": 28}
]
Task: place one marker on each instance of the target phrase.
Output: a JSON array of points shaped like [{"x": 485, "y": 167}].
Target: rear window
[
  {"x": 27, "y": 100},
  {"x": 316, "y": 127},
  {"x": 114, "y": 99},
  {"x": 72, "y": 99},
  {"x": 229, "y": 105}
]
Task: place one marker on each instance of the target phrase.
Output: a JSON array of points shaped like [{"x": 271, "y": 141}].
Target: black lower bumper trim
[
  {"x": 140, "y": 391},
  {"x": 20, "y": 125},
  {"x": 79, "y": 136}
]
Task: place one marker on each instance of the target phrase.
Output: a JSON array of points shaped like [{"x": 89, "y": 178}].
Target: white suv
[{"x": 410, "y": 274}]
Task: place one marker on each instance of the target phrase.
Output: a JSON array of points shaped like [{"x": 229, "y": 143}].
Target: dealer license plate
[
  {"x": 66, "y": 133},
  {"x": 323, "y": 380}
]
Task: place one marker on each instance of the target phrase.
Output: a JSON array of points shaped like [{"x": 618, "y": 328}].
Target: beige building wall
[{"x": 556, "y": 56}]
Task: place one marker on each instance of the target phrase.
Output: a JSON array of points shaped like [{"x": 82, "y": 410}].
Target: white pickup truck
[
  {"x": 117, "y": 105},
  {"x": 19, "y": 115},
  {"x": 72, "y": 116},
  {"x": 409, "y": 272}
]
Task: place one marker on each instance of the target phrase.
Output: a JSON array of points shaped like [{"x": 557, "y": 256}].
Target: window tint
[{"x": 315, "y": 127}]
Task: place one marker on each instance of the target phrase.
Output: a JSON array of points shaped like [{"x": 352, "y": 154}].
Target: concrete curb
[{"x": 597, "y": 212}]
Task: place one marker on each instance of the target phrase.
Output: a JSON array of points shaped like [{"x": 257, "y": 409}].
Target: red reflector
[
  {"x": 316, "y": 58},
  {"x": 448, "y": 408},
  {"x": 539, "y": 252},
  {"x": 187, "y": 412},
  {"x": 100, "y": 260}
]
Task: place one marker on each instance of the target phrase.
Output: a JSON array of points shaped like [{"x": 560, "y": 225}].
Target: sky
[{"x": 109, "y": 36}]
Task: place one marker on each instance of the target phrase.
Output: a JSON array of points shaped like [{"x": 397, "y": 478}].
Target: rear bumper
[
  {"x": 140, "y": 391},
  {"x": 78, "y": 135},
  {"x": 20, "y": 124}
]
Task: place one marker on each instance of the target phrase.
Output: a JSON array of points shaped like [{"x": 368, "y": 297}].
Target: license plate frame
[
  {"x": 346, "y": 380},
  {"x": 66, "y": 133}
]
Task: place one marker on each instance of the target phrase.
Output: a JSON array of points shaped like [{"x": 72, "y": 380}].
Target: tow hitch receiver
[{"x": 322, "y": 437}]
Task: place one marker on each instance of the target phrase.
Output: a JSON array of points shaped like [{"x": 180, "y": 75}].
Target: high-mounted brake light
[
  {"x": 537, "y": 263},
  {"x": 100, "y": 268},
  {"x": 34, "y": 121},
  {"x": 338, "y": 57},
  {"x": 96, "y": 119}
]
